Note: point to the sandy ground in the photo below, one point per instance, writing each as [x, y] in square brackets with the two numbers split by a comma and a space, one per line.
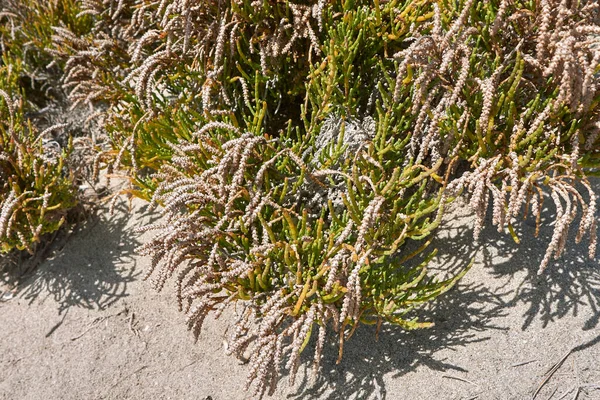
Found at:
[85, 325]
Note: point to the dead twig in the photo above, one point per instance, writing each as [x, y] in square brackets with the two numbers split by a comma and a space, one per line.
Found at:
[96, 321]
[188, 365]
[552, 394]
[577, 393]
[522, 363]
[125, 378]
[132, 327]
[551, 372]
[578, 389]
[459, 379]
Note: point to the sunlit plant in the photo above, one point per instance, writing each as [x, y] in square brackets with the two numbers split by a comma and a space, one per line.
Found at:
[297, 151]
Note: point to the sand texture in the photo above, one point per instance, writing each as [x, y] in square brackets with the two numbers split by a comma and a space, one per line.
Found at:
[84, 325]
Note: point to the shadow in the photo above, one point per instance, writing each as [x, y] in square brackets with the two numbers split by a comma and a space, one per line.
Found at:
[462, 316]
[89, 268]
[504, 277]
[569, 284]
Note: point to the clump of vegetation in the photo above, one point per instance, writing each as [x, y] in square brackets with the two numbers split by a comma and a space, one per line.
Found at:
[35, 189]
[36, 186]
[298, 150]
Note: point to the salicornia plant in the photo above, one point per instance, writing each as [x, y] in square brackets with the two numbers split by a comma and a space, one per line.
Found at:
[298, 150]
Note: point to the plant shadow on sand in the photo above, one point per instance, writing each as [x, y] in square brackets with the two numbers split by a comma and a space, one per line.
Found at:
[569, 283]
[91, 268]
[505, 275]
[461, 316]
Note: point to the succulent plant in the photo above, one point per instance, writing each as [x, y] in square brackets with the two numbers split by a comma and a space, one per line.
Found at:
[303, 154]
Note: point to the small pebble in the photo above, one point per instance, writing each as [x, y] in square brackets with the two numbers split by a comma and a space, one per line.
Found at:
[8, 296]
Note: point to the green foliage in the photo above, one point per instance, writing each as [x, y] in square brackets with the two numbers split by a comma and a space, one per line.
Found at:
[297, 151]
[36, 189]
[37, 186]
